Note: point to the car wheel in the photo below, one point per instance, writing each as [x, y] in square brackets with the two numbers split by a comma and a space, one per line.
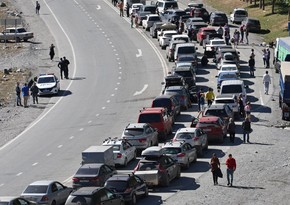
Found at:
[200, 152]
[53, 202]
[133, 200]
[125, 162]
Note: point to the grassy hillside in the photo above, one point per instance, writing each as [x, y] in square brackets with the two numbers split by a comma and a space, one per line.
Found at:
[273, 25]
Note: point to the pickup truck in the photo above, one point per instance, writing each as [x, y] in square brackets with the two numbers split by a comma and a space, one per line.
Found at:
[18, 34]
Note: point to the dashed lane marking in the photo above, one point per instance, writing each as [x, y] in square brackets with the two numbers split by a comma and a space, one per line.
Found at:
[59, 146]
[20, 173]
[49, 154]
[34, 164]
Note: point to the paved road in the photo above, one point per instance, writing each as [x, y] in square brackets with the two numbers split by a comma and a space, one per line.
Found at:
[112, 65]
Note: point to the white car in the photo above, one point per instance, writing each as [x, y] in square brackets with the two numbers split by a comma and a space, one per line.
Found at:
[229, 68]
[238, 15]
[48, 84]
[183, 37]
[150, 20]
[215, 43]
[124, 152]
[135, 8]
[226, 75]
[229, 99]
[194, 136]
[166, 38]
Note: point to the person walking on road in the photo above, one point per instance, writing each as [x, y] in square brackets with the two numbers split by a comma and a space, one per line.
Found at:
[25, 94]
[61, 67]
[37, 7]
[34, 92]
[220, 31]
[268, 58]
[231, 168]
[264, 56]
[18, 94]
[227, 37]
[65, 67]
[241, 105]
[266, 82]
[128, 9]
[209, 96]
[248, 110]
[247, 35]
[252, 65]
[215, 165]
[236, 38]
[51, 51]
[242, 33]
[246, 125]
[121, 7]
[232, 130]
[132, 20]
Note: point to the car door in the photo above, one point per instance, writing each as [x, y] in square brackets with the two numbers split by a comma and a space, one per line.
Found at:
[104, 174]
[170, 167]
[140, 186]
[63, 192]
[191, 151]
[130, 151]
[111, 198]
[149, 135]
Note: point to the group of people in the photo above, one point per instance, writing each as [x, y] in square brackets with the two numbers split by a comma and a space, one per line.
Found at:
[207, 97]
[63, 66]
[26, 91]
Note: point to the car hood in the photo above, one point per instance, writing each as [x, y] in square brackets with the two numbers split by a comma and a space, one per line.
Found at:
[45, 85]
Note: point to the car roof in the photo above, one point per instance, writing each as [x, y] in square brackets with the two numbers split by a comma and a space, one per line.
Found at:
[92, 165]
[229, 65]
[188, 130]
[119, 177]
[152, 151]
[235, 9]
[153, 110]
[163, 97]
[173, 144]
[136, 125]
[46, 75]
[183, 64]
[113, 141]
[175, 87]
[216, 107]
[180, 35]
[186, 45]
[42, 182]
[225, 96]
[229, 82]
[152, 15]
[208, 119]
[86, 191]
[207, 28]
[170, 31]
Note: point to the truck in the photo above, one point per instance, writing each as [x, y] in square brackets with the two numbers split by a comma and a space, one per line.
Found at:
[282, 52]
[98, 154]
[15, 34]
[284, 94]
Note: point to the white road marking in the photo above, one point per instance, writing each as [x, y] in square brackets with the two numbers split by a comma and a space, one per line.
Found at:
[19, 174]
[106, 35]
[89, 121]
[119, 78]
[81, 129]
[120, 72]
[118, 83]
[112, 95]
[120, 68]
[100, 29]
[108, 39]
[48, 154]
[103, 32]
[59, 146]
[76, 2]
[119, 63]
[114, 50]
[90, 17]
[139, 53]
[110, 42]
[112, 46]
[108, 101]
[1, 185]
[34, 164]
[261, 98]
[71, 137]
[116, 88]
[141, 91]
[98, 7]
[98, 26]
[97, 115]
[116, 54]
[67, 180]
[103, 108]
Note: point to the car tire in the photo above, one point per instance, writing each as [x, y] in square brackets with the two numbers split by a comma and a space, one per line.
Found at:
[133, 200]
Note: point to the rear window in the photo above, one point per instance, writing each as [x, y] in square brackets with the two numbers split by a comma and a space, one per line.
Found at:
[185, 136]
[172, 150]
[46, 80]
[162, 103]
[143, 166]
[207, 124]
[186, 50]
[219, 113]
[39, 189]
[149, 118]
[221, 15]
[118, 186]
[231, 89]
[241, 13]
[133, 132]
[186, 74]
[79, 200]
[154, 18]
[255, 22]
[225, 101]
[88, 171]
[171, 4]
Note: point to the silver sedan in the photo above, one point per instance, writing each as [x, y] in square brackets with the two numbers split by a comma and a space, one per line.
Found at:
[46, 192]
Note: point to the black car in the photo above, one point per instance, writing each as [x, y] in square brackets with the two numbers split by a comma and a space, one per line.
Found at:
[218, 18]
[169, 102]
[92, 175]
[253, 25]
[94, 196]
[129, 186]
[200, 12]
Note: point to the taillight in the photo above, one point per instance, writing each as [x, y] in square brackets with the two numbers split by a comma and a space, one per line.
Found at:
[161, 169]
[95, 179]
[128, 190]
[195, 139]
[180, 155]
[44, 198]
[119, 155]
[75, 179]
[142, 140]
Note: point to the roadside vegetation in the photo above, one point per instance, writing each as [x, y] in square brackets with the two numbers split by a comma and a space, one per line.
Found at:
[273, 24]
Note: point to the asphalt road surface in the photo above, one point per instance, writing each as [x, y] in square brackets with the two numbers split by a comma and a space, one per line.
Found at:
[115, 71]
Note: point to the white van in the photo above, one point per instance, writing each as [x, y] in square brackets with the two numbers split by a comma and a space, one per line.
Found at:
[164, 5]
[238, 15]
[235, 87]
[185, 49]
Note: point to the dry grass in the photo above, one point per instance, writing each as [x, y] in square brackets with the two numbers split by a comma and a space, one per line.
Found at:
[273, 25]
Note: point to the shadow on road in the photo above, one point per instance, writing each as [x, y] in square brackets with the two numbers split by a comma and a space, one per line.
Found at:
[201, 79]
[78, 78]
[243, 187]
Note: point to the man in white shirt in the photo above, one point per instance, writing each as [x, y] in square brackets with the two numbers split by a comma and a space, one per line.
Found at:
[266, 82]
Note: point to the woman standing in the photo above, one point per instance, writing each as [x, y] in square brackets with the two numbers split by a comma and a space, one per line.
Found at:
[215, 165]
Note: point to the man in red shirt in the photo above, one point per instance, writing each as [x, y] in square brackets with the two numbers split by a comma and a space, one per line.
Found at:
[231, 167]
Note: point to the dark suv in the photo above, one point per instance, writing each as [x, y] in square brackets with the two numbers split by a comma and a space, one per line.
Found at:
[169, 102]
[93, 196]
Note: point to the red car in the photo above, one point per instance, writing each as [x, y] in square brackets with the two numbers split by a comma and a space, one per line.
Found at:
[159, 118]
[203, 32]
[214, 127]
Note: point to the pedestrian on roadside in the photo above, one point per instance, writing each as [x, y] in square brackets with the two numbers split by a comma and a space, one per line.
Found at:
[61, 68]
[227, 28]
[127, 9]
[25, 94]
[231, 168]
[121, 7]
[136, 21]
[215, 165]
[248, 110]
[246, 125]
[268, 58]
[266, 82]
[241, 105]
[18, 94]
[227, 37]
[236, 38]
[242, 33]
[34, 92]
[202, 102]
[51, 51]
[253, 53]
[132, 20]
[264, 56]
[209, 96]
[220, 31]
[199, 93]
[232, 130]
[65, 67]
[252, 65]
[247, 35]
[37, 7]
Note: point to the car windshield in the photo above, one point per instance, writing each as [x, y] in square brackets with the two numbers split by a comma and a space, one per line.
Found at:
[38, 189]
[4, 203]
[241, 12]
[149, 118]
[162, 103]
[172, 150]
[186, 50]
[88, 171]
[21, 30]
[134, 131]
[154, 18]
[185, 58]
[169, 34]
[217, 42]
[185, 74]
[228, 76]
[171, 4]
[254, 22]
[232, 89]
[46, 80]
[118, 186]
[146, 166]
[185, 136]
[116, 147]
[225, 101]
[173, 92]
[219, 113]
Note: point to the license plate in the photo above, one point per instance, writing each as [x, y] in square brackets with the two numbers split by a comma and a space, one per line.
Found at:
[45, 91]
[84, 180]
